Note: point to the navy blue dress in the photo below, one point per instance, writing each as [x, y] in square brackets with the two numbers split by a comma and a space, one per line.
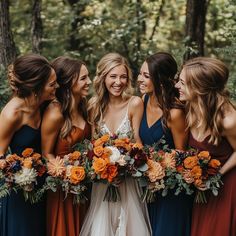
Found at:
[169, 215]
[17, 217]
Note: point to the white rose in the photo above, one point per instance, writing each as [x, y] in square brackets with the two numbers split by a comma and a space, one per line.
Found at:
[115, 154]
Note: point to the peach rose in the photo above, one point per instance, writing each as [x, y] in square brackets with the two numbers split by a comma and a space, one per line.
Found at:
[196, 172]
[99, 165]
[36, 156]
[105, 138]
[98, 151]
[106, 153]
[204, 155]
[74, 155]
[27, 162]
[190, 162]
[77, 174]
[98, 142]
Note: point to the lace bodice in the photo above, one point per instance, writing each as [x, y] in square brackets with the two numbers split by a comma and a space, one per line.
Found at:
[124, 129]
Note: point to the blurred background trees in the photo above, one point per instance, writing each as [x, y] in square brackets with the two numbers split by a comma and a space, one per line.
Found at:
[88, 29]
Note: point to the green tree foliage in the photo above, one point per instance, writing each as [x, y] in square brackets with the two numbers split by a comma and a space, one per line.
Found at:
[88, 29]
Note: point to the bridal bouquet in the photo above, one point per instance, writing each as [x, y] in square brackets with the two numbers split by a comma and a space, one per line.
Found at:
[112, 159]
[21, 173]
[202, 171]
[69, 174]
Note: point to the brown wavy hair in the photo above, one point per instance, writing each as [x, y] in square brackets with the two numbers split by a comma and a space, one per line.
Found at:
[162, 70]
[208, 98]
[67, 70]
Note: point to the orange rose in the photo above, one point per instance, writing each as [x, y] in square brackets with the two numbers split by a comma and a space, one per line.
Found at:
[109, 173]
[27, 152]
[106, 153]
[36, 156]
[138, 145]
[27, 162]
[98, 151]
[198, 182]
[190, 162]
[124, 143]
[105, 138]
[98, 142]
[99, 165]
[77, 174]
[214, 163]
[196, 172]
[75, 155]
[204, 155]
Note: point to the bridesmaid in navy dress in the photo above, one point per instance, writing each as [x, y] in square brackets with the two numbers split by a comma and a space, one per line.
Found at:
[33, 81]
[164, 117]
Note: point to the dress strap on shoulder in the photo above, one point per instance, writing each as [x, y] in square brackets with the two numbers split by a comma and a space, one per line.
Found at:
[127, 111]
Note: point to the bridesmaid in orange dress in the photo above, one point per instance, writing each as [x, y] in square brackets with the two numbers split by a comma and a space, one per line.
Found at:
[211, 117]
[64, 124]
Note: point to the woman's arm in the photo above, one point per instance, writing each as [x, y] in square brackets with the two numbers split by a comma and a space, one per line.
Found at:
[10, 122]
[136, 114]
[177, 125]
[51, 126]
[229, 126]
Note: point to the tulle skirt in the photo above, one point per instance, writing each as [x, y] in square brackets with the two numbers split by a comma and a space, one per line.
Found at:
[127, 217]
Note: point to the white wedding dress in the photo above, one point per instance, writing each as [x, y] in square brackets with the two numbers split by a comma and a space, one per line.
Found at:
[127, 217]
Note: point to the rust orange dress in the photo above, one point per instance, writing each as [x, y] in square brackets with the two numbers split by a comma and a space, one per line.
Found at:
[63, 217]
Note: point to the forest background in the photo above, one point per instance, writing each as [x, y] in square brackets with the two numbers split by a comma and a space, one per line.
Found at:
[88, 29]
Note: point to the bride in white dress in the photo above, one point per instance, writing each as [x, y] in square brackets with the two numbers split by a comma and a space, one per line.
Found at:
[113, 110]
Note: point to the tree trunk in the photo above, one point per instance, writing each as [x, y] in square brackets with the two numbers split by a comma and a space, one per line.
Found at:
[36, 27]
[7, 45]
[75, 43]
[195, 27]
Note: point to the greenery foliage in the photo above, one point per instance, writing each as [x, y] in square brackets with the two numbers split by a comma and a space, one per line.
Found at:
[88, 29]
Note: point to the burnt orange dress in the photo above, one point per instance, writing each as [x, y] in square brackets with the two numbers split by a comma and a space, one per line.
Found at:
[63, 217]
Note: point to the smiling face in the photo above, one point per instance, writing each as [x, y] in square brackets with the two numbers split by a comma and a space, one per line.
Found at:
[49, 90]
[144, 80]
[182, 87]
[116, 80]
[82, 83]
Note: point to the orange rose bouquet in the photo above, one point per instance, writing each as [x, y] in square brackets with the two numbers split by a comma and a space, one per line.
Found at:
[69, 174]
[112, 159]
[179, 171]
[22, 173]
[202, 171]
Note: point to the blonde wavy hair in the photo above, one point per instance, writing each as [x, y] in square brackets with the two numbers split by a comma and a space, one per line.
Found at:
[98, 103]
[208, 98]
